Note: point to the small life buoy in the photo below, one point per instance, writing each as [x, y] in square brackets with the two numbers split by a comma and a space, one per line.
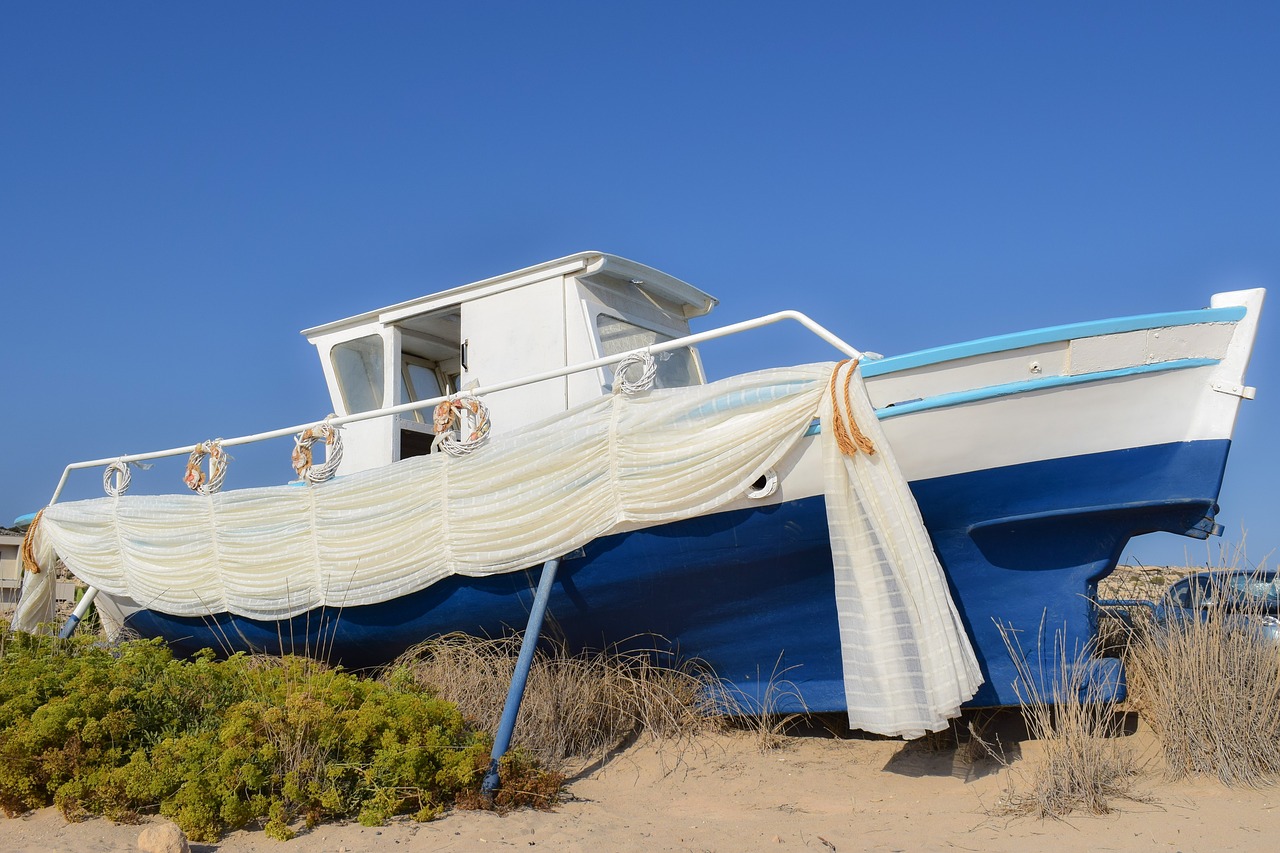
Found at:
[303, 460]
[195, 478]
[449, 424]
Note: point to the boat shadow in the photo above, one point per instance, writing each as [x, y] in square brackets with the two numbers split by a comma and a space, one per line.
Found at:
[980, 743]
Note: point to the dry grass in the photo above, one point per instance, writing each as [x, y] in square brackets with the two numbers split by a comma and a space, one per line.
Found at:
[1117, 627]
[759, 716]
[1210, 688]
[575, 706]
[1085, 765]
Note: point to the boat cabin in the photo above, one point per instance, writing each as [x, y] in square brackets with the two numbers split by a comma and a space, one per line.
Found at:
[542, 318]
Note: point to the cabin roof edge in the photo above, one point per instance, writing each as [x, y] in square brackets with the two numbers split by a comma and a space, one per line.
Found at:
[696, 302]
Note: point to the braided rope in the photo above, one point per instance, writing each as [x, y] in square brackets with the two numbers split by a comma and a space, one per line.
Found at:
[195, 478]
[648, 373]
[303, 461]
[448, 422]
[849, 438]
[28, 550]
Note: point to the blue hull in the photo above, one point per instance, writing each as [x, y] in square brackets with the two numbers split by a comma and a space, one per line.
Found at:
[751, 591]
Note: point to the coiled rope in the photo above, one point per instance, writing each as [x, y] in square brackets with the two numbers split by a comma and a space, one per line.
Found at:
[448, 423]
[195, 478]
[648, 373]
[29, 546]
[848, 437]
[303, 461]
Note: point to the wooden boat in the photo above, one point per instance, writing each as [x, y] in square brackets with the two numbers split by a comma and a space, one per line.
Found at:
[1032, 458]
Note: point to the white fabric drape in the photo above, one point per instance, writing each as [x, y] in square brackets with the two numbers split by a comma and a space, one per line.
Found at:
[907, 659]
[537, 493]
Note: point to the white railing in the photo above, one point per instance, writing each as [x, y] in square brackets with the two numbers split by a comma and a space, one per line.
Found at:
[687, 340]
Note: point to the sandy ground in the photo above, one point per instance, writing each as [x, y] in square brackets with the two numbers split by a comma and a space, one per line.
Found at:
[722, 792]
[816, 792]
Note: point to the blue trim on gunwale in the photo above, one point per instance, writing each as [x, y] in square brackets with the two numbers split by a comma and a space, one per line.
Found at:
[956, 398]
[1070, 331]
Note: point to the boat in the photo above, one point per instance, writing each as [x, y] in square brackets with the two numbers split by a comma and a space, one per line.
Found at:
[1012, 472]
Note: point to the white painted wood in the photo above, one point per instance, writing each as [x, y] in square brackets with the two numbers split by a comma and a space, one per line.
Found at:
[1149, 346]
[324, 347]
[1054, 423]
[369, 444]
[963, 374]
[515, 333]
[1221, 418]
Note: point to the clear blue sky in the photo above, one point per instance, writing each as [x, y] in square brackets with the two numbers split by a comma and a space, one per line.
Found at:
[185, 186]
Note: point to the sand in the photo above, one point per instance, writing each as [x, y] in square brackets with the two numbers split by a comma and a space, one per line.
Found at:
[721, 792]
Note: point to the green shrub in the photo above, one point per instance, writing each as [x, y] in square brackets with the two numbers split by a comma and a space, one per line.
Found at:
[216, 745]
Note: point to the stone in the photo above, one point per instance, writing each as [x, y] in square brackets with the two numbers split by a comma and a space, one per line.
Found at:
[163, 838]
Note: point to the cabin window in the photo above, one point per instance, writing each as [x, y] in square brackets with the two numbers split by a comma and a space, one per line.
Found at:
[358, 364]
[676, 368]
[419, 381]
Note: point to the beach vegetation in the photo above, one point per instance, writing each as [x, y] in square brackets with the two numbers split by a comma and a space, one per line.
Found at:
[128, 730]
[1070, 708]
[216, 743]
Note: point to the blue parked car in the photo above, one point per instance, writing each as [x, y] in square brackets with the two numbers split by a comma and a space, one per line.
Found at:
[1248, 594]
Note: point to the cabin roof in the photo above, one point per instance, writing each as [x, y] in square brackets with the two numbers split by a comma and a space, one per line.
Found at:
[593, 266]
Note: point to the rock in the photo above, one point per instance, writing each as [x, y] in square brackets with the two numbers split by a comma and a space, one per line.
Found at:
[163, 838]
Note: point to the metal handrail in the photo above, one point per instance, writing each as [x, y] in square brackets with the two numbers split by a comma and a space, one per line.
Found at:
[688, 340]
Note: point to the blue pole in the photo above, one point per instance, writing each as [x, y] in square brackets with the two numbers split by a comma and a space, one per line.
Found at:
[515, 693]
[69, 627]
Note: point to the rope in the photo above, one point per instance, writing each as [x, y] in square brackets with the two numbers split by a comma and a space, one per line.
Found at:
[448, 420]
[303, 461]
[648, 373]
[195, 478]
[29, 561]
[849, 438]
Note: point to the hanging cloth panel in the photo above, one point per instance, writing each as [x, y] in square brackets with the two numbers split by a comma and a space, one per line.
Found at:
[908, 663]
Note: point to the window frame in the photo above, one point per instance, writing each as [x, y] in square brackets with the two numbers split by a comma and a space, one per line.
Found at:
[443, 382]
[607, 373]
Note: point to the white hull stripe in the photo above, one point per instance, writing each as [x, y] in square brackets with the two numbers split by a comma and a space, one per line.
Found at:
[958, 398]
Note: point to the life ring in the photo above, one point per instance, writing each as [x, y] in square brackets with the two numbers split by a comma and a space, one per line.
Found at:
[448, 421]
[115, 479]
[303, 460]
[195, 478]
[648, 373]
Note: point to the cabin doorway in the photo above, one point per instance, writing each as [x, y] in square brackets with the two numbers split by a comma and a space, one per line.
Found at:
[430, 366]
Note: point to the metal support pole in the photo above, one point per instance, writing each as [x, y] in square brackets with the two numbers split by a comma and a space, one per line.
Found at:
[69, 627]
[515, 693]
